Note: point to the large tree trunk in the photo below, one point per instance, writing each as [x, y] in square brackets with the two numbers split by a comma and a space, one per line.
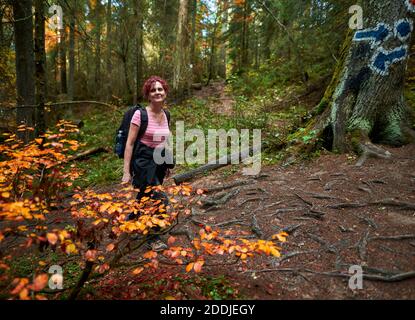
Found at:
[25, 66]
[40, 62]
[364, 102]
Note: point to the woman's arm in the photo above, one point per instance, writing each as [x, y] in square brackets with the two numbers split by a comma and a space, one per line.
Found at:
[128, 153]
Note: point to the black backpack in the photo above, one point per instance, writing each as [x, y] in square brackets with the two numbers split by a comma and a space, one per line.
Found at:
[122, 132]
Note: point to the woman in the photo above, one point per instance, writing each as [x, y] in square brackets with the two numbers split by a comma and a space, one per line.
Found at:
[145, 171]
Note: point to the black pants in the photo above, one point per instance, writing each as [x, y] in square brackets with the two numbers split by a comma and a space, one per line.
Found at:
[146, 172]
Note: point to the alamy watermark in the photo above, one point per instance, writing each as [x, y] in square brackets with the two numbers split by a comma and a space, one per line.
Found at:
[356, 20]
[56, 20]
[56, 278]
[356, 278]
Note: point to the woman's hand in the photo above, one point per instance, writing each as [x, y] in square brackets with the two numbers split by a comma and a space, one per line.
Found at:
[126, 178]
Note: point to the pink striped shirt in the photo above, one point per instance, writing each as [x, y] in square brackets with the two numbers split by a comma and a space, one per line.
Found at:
[155, 134]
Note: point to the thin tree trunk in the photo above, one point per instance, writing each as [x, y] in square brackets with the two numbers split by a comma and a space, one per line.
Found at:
[193, 36]
[62, 61]
[139, 49]
[71, 82]
[97, 77]
[25, 66]
[181, 58]
[108, 90]
[212, 51]
[40, 63]
[244, 39]
[223, 48]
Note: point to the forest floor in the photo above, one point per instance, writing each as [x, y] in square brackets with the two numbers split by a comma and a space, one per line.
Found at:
[337, 215]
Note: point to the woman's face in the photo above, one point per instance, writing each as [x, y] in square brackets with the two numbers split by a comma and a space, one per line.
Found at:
[157, 93]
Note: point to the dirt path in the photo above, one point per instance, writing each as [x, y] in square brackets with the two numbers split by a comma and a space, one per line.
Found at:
[219, 101]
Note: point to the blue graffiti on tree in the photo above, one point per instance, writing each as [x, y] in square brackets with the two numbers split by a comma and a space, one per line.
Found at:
[403, 29]
[383, 59]
[375, 36]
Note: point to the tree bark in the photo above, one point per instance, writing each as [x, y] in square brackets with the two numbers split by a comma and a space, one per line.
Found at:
[181, 57]
[109, 49]
[212, 60]
[40, 65]
[365, 102]
[62, 61]
[223, 47]
[97, 78]
[139, 49]
[25, 66]
[71, 80]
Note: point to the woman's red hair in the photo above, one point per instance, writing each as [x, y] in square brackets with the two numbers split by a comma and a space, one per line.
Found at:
[149, 82]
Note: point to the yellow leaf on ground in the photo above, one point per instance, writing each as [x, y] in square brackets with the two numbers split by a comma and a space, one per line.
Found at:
[5, 194]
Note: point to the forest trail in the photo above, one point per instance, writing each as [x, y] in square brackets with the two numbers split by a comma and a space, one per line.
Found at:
[215, 93]
[336, 214]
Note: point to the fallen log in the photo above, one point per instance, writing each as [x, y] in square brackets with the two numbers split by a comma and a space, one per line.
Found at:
[235, 157]
[87, 153]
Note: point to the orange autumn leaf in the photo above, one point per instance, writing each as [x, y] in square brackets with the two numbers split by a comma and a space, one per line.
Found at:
[24, 294]
[189, 267]
[137, 271]
[171, 240]
[21, 283]
[91, 255]
[198, 266]
[110, 247]
[52, 238]
[280, 236]
[150, 254]
[40, 282]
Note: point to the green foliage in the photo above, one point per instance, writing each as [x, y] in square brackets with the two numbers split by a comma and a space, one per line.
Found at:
[99, 131]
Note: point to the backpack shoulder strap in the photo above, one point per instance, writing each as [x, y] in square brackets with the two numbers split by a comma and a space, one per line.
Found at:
[143, 122]
[167, 112]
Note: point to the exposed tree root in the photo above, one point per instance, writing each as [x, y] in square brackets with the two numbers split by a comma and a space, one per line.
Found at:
[226, 186]
[385, 202]
[255, 227]
[219, 200]
[370, 150]
[392, 277]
